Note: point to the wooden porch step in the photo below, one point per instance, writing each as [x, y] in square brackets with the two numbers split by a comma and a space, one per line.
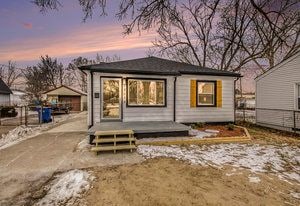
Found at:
[113, 132]
[112, 148]
[107, 140]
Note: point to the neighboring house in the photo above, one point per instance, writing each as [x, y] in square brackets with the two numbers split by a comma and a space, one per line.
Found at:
[18, 97]
[69, 96]
[155, 89]
[278, 96]
[5, 93]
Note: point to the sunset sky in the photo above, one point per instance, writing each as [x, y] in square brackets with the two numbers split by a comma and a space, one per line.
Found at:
[26, 34]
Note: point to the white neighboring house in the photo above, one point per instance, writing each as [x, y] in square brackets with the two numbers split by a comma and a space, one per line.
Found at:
[278, 96]
[155, 89]
[5, 93]
[17, 97]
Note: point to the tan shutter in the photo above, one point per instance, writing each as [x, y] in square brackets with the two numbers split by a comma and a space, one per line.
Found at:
[219, 93]
[193, 94]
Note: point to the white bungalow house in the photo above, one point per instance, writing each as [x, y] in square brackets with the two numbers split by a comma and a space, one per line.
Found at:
[278, 96]
[135, 93]
[5, 93]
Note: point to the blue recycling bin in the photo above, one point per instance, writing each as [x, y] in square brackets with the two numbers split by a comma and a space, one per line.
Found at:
[46, 114]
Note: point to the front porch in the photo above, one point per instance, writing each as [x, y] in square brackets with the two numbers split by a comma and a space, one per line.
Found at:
[143, 129]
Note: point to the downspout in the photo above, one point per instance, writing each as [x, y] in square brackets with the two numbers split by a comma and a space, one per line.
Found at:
[234, 98]
[92, 100]
[174, 103]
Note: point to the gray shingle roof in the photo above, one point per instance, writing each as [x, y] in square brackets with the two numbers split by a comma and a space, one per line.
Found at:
[4, 89]
[155, 65]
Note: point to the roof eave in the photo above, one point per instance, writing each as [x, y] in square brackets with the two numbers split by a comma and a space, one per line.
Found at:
[122, 71]
[5, 92]
[213, 74]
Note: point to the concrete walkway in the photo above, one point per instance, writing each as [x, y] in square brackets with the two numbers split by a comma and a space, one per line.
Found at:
[78, 124]
[33, 161]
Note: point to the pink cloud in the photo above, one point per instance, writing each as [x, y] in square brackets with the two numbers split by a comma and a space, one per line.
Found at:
[27, 25]
[78, 41]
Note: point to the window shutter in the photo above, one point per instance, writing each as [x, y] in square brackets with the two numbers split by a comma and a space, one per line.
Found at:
[193, 93]
[219, 93]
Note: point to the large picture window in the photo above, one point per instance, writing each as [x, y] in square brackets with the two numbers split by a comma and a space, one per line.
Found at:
[146, 92]
[206, 93]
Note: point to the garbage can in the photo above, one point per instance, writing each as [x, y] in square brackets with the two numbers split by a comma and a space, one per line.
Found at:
[46, 114]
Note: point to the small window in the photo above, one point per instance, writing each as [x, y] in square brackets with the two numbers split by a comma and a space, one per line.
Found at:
[144, 92]
[206, 93]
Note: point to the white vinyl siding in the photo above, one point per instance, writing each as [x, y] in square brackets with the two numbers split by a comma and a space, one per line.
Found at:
[4, 99]
[204, 114]
[277, 89]
[184, 113]
[164, 113]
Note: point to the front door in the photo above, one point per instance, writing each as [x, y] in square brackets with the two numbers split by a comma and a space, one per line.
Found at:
[111, 98]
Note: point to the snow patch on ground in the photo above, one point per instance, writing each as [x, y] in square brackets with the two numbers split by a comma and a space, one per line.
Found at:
[83, 145]
[18, 134]
[254, 179]
[66, 188]
[23, 132]
[201, 134]
[256, 158]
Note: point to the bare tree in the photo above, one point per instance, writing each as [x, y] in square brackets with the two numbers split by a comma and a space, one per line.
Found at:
[223, 34]
[47, 74]
[100, 58]
[79, 76]
[277, 25]
[36, 82]
[56, 74]
[10, 73]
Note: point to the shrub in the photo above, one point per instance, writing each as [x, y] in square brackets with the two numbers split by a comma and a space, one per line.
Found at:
[230, 127]
[200, 124]
[193, 126]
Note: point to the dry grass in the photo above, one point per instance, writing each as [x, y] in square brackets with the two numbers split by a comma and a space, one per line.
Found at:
[263, 135]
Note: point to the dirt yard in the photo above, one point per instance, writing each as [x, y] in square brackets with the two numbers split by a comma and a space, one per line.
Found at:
[165, 181]
[265, 171]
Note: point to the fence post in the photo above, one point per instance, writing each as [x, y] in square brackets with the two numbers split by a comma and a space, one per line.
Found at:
[26, 113]
[21, 117]
[41, 115]
[294, 117]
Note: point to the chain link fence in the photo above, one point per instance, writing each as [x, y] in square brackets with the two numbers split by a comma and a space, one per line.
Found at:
[278, 118]
[20, 115]
[245, 115]
[31, 115]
